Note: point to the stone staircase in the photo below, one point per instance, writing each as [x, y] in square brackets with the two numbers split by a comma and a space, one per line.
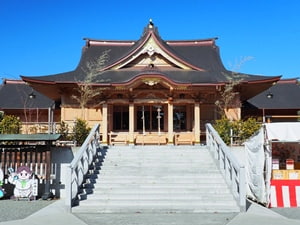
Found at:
[150, 179]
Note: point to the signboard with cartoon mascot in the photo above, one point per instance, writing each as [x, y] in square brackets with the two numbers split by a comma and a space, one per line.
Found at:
[25, 183]
[2, 193]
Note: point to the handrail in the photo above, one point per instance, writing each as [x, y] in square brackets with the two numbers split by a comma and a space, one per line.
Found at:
[79, 166]
[233, 172]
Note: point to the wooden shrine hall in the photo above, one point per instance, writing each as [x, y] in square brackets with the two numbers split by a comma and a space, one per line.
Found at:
[148, 91]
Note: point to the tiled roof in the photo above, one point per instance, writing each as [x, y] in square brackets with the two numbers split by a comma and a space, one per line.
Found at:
[204, 55]
[18, 95]
[280, 96]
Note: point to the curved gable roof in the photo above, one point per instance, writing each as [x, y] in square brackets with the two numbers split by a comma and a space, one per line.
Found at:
[200, 57]
[130, 50]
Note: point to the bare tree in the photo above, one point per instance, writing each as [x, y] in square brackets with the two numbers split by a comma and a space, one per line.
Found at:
[27, 97]
[85, 92]
[229, 94]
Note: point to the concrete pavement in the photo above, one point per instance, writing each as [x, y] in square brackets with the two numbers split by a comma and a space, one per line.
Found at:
[56, 214]
[260, 215]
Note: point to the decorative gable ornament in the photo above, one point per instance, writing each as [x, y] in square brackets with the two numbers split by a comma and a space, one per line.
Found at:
[150, 50]
[151, 81]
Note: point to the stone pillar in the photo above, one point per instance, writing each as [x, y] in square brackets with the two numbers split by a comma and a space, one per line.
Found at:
[170, 123]
[104, 124]
[131, 124]
[197, 123]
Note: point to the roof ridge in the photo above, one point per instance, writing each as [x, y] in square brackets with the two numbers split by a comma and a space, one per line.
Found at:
[12, 81]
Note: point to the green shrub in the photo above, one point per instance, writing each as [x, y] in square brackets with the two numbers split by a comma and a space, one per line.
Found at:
[80, 131]
[248, 128]
[222, 126]
[241, 130]
[10, 125]
[63, 130]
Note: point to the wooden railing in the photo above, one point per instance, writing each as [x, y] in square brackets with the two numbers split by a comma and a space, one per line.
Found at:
[39, 127]
[232, 171]
[290, 118]
[79, 166]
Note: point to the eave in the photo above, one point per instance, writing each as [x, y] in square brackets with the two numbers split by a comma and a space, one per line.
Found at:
[249, 89]
[197, 42]
[155, 77]
[94, 42]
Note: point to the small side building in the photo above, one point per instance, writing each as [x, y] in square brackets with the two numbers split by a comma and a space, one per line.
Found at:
[279, 103]
[37, 112]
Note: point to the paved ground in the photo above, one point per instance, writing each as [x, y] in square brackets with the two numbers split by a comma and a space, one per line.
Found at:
[15, 210]
[292, 213]
[157, 219]
[56, 214]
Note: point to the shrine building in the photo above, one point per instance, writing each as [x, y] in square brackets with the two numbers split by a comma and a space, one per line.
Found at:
[148, 91]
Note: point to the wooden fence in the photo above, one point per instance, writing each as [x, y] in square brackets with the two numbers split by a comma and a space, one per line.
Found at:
[36, 157]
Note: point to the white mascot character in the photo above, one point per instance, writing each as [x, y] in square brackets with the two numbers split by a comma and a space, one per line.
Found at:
[23, 182]
[1, 183]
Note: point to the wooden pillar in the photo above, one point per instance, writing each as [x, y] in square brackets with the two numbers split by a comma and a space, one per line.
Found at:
[189, 117]
[47, 194]
[62, 113]
[165, 109]
[170, 123]
[110, 110]
[104, 124]
[197, 123]
[131, 123]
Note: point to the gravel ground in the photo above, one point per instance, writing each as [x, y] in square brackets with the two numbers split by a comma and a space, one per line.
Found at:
[15, 210]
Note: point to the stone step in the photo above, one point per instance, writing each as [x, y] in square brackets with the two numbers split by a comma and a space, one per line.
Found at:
[204, 178]
[157, 162]
[141, 180]
[156, 168]
[155, 207]
[158, 202]
[204, 189]
[161, 158]
[179, 166]
[158, 171]
[150, 164]
[141, 164]
[190, 176]
[142, 153]
[170, 160]
[203, 175]
[160, 186]
[154, 152]
[161, 196]
[156, 179]
[159, 147]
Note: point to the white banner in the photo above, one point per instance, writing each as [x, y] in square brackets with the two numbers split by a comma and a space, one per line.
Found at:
[255, 168]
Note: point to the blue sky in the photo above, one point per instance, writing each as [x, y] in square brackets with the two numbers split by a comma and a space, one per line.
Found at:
[43, 37]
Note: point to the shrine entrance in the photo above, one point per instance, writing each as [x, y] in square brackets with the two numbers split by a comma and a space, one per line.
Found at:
[146, 121]
[150, 118]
